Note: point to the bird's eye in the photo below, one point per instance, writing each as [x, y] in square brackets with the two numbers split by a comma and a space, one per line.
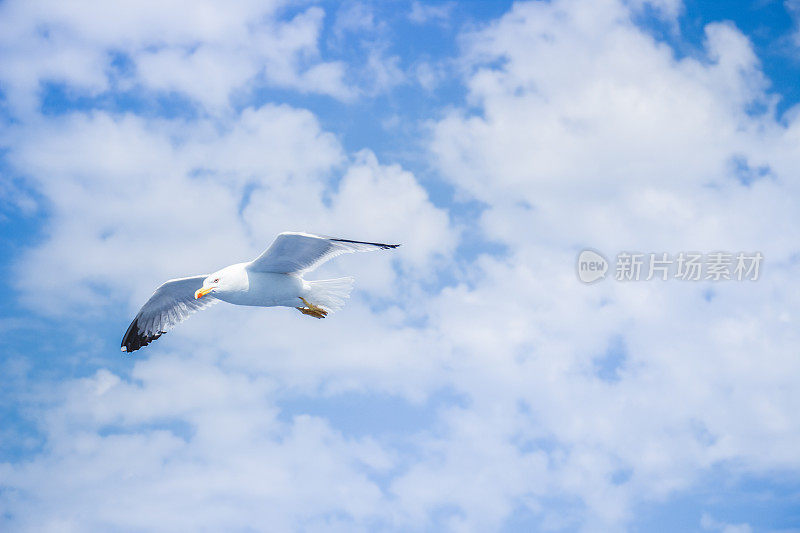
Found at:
[216, 280]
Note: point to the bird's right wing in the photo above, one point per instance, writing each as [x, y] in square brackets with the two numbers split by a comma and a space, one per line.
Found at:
[300, 252]
[171, 304]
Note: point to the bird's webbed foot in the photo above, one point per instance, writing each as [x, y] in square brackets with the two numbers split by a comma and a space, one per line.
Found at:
[311, 309]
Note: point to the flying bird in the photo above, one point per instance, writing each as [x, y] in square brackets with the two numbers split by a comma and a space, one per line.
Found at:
[275, 278]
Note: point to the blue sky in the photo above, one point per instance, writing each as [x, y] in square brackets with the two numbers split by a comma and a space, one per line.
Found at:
[472, 382]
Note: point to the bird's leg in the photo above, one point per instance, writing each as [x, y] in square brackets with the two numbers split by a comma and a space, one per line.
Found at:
[311, 309]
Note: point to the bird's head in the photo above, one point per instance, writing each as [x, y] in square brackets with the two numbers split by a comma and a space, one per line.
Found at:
[210, 284]
[230, 279]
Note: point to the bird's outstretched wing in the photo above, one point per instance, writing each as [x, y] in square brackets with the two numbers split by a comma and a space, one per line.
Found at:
[301, 252]
[171, 304]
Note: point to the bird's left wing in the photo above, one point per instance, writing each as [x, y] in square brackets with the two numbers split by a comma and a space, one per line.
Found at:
[300, 252]
[171, 304]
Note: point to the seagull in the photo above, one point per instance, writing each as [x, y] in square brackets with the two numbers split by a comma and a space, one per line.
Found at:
[275, 278]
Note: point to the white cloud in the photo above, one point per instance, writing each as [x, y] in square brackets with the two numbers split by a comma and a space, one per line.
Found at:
[709, 524]
[589, 133]
[427, 13]
[579, 130]
[428, 76]
[133, 201]
[164, 190]
[356, 18]
[205, 50]
[382, 71]
[666, 9]
[115, 462]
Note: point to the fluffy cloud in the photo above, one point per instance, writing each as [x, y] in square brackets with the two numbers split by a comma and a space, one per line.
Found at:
[204, 51]
[202, 197]
[591, 133]
[571, 403]
[133, 201]
[142, 463]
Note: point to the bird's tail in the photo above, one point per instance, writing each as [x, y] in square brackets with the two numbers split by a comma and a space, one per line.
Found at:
[331, 294]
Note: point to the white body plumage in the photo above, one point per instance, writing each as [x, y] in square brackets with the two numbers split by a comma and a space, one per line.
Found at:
[239, 286]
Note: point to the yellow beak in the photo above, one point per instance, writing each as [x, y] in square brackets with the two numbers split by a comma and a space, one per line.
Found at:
[202, 292]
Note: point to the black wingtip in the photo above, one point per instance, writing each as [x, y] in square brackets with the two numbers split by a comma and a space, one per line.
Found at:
[134, 339]
[378, 244]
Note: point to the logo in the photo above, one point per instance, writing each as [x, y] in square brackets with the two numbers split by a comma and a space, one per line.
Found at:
[591, 266]
[663, 266]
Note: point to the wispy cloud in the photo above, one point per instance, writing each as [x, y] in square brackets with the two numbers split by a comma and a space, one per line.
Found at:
[423, 13]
